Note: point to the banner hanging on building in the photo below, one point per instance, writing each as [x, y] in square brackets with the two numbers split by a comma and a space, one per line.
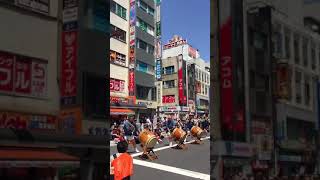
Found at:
[283, 81]
[131, 83]
[70, 120]
[69, 58]
[181, 84]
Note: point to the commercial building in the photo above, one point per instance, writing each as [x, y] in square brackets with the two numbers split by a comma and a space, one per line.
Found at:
[120, 101]
[183, 67]
[52, 56]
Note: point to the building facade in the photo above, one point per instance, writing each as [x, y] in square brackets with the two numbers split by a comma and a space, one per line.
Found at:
[51, 76]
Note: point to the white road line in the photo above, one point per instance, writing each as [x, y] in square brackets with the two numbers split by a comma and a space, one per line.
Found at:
[167, 147]
[171, 169]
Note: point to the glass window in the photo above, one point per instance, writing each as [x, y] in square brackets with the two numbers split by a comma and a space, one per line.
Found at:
[305, 52]
[117, 58]
[287, 45]
[298, 86]
[307, 90]
[118, 33]
[142, 45]
[118, 10]
[296, 50]
[143, 6]
[150, 30]
[169, 84]
[150, 11]
[169, 70]
[150, 49]
[143, 67]
[313, 58]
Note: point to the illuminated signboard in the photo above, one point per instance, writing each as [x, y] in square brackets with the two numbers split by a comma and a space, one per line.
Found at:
[174, 42]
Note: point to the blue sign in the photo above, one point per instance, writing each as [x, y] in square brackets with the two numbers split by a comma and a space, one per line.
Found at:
[158, 69]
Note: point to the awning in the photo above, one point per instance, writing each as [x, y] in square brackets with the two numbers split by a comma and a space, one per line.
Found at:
[121, 112]
[35, 157]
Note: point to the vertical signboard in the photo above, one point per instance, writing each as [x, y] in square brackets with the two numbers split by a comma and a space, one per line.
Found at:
[182, 97]
[158, 45]
[68, 72]
[132, 48]
[226, 65]
[39, 79]
[70, 121]
[318, 105]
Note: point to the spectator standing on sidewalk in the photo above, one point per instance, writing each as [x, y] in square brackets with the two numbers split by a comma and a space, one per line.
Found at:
[121, 163]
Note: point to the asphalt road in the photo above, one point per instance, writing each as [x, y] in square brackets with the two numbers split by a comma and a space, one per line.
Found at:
[173, 164]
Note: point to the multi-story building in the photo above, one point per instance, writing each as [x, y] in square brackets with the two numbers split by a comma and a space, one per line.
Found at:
[144, 70]
[174, 95]
[194, 75]
[45, 75]
[120, 101]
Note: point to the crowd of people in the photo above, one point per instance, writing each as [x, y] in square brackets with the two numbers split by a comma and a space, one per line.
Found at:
[129, 129]
[241, 176]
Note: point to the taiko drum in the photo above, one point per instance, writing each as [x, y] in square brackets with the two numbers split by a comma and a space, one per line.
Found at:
[197, 132]
[148, 139]
[179, 135]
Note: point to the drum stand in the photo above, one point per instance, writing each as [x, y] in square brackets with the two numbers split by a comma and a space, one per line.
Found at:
[182, 146]
[197, 141]
[148, 152]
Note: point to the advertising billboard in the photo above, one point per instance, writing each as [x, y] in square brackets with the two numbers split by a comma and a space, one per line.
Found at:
[283, 81]
[181, 83]
[132, 48]
[68, 71]
[231, 71]
[22, 75]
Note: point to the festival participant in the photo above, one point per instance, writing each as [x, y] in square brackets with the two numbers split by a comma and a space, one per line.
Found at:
[129, 129]
[121, 163]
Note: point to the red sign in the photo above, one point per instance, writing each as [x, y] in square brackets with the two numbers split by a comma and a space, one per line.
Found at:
[111, 84]
[28, 121]
[226, 74]
[131, 83]
[192, 52]
[13, 120]
[22, 84]
[6, 72]
[116, 85]
[174, 42]
[39, 79]
[182, 97]
[168, 99]
[69, 64]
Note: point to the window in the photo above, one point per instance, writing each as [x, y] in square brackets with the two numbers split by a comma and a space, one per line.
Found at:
[154, 94]
[305, 52]
[143, 67]
[118, 33]
[118, 10]
[117, 58]
[298, 86]
[307, 90]
[169, 84]
[313, 58]
[296, 50]
[145, 46]
[277, 41]
[143, 6]
[287, 44]
[142, 45]
[142, 92]
[169, 70]
[145, 27]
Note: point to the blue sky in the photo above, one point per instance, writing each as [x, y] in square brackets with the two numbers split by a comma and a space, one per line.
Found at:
[189, 19]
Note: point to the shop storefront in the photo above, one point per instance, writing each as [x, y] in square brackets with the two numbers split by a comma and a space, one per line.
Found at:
[175, 112]
[35, 163]
[235, 157]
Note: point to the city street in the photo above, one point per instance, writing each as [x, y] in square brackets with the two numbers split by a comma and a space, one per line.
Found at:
[192, 163]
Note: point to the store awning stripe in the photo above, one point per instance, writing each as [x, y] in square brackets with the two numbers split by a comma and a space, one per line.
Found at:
[121, 112]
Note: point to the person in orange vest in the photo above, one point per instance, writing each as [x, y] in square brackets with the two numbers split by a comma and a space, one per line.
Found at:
[121, 163]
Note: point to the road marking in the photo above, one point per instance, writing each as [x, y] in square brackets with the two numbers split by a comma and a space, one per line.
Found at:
[171, 169]
[167, 147]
